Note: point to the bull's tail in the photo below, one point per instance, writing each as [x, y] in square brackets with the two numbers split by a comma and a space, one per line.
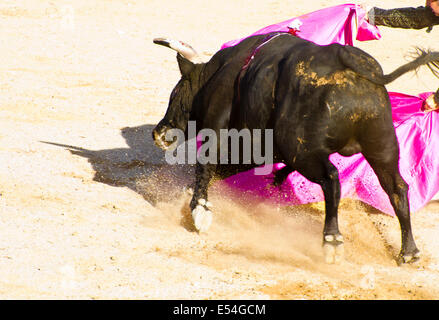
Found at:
[428, 58]
[367, 67]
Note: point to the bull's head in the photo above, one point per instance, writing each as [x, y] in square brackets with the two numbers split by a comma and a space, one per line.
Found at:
[180, 102]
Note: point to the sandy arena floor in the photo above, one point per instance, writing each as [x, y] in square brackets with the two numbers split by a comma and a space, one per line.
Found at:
[105, 218]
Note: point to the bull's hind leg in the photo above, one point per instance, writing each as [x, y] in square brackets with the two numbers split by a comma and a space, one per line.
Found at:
[380, 148]
[325, 174]
[396, 188]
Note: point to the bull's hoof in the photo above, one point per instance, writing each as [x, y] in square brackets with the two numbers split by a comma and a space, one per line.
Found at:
[408, 258]
[202, 216]
[333, 248]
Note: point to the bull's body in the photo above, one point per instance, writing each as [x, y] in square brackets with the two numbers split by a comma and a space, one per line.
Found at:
[317, 99]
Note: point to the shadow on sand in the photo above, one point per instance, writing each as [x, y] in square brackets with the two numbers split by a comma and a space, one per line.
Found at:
[140, 167]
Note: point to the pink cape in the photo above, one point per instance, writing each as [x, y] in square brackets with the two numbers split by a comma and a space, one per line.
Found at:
[336, 24]
[417, 132]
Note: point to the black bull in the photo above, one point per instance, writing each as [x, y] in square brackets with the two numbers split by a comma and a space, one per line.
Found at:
[317, 99]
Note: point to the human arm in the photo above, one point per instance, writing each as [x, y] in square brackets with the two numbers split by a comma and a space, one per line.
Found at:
[406, 18]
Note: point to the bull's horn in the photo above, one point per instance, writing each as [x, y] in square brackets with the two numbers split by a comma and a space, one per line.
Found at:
[182, 48]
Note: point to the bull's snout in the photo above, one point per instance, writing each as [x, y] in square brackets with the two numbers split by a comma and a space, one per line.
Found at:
[159, 136]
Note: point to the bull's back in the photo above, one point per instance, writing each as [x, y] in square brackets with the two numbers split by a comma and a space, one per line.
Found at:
[312, 99]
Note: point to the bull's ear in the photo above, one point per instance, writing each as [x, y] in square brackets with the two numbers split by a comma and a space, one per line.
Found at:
[185, 65]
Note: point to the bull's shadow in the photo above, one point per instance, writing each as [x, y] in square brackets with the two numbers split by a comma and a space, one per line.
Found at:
[140, 167]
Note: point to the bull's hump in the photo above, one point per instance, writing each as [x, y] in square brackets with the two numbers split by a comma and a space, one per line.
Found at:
[315, 78]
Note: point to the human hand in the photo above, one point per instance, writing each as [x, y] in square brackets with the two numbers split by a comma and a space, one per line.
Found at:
[430, 104]
[434, 5]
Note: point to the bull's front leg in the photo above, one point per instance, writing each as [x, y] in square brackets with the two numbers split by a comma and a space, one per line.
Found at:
[200, 206]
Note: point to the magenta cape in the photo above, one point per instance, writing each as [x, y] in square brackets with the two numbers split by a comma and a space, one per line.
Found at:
[417, 132]
[337, 24]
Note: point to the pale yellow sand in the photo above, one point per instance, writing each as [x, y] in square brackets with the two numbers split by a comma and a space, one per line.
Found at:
[96, 224]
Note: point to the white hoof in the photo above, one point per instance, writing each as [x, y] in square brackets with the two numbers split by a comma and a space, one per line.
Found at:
[202, 218]
[205, 203]
[333, 249]
[329, 238]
